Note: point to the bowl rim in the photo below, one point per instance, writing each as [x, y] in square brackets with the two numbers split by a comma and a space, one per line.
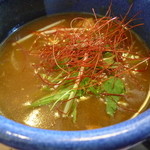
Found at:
[116, 136]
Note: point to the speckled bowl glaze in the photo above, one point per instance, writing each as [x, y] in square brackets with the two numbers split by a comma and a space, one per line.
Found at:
[126, 134]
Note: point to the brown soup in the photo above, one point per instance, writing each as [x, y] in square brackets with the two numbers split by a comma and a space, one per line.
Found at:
[98, 68]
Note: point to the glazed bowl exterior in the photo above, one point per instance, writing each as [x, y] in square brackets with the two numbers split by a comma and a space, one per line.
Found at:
[123, 135]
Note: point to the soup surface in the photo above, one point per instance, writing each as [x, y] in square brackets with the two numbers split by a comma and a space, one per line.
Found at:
[34, 66]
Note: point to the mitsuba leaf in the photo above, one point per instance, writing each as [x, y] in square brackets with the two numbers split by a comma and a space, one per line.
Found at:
[80, 93]
[111, 106]
[108, 58]
[43, 101]
[113, 86]
[56, 96]
[93, 90]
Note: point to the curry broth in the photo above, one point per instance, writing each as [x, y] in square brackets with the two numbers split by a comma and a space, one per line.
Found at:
[20, 86]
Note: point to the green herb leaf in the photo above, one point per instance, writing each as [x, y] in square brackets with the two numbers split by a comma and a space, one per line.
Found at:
[113, 86]
[111, 105]
[85, 81]
[93, 90]
[108, 58]
[107, 54]
[80, 93]
[43, 101]
[53, 97]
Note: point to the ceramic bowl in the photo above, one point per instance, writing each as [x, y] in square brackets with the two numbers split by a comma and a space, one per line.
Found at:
[123, 135]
